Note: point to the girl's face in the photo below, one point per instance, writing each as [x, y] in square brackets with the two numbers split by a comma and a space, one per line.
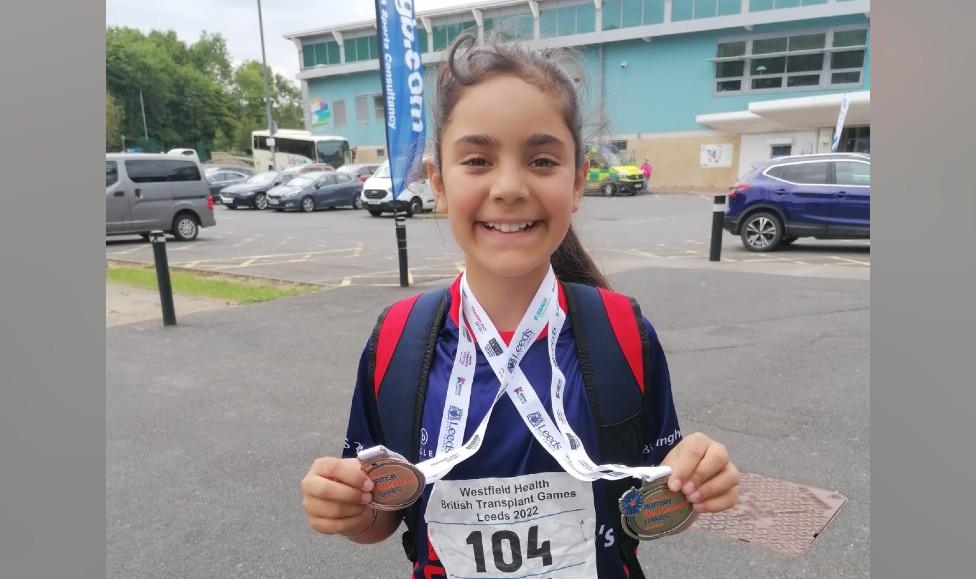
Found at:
[508, 179]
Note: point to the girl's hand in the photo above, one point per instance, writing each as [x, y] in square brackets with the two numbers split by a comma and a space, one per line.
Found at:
[335, 496]
[701, 469]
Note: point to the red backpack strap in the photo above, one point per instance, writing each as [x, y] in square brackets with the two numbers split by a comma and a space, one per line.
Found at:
[387, 334]
[624, 315]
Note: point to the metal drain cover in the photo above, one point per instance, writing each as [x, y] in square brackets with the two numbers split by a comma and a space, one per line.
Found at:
[776, 514]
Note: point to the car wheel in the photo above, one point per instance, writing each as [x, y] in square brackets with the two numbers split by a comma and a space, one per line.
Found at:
[261, 201]
[308, 204]
[416, 206]
[144, 236]
[609, 189]
[185, 227]
[357, 203]
[231, 206]
[374, 212]
[762, 232]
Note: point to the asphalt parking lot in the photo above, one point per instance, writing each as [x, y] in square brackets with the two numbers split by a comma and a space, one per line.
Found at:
[345, 247]
[212, 423]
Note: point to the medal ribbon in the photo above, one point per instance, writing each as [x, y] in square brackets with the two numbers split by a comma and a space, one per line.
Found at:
[559, 440]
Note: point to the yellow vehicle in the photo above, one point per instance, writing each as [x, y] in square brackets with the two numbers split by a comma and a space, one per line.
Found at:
[610, 173]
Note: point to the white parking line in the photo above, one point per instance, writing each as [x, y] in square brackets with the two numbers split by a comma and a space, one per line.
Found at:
[242, 242]
[851, 261]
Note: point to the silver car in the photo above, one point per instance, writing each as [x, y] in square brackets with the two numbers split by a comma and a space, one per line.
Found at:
[146, 192]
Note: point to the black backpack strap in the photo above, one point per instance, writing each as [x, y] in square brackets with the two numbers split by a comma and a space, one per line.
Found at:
[403, 345]
[613, 352]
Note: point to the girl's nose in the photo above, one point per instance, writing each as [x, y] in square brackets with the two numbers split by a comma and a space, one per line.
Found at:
[509, 186]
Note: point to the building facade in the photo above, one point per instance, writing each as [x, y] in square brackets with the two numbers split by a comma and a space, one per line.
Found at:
[701, 88]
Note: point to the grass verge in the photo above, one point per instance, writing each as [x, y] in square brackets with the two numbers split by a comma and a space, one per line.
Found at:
[232, 289]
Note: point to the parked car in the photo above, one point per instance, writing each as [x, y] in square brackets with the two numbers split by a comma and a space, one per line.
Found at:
[311, 168]
[362, 172]
[184, 153]
[253, 191]
[148, 192]
[377, 193]
[825, 196]
[220, 177]
[313, 191]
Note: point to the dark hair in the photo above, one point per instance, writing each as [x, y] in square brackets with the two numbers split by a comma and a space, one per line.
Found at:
[470, 62]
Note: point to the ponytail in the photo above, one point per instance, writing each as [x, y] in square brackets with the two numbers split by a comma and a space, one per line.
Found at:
[573, 264]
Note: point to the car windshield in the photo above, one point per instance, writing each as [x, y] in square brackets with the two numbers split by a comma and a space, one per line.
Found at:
[263, 178]
[304, 180]
[384, 171]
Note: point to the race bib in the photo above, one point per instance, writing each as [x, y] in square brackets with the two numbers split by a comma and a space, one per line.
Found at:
[539, 525]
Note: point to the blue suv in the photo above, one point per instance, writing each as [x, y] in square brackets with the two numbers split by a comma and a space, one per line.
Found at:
[822, 196]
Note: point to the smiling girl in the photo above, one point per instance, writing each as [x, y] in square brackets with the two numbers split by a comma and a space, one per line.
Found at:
[521, 496]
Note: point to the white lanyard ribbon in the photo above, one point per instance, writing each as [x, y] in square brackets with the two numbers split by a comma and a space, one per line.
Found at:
[559, 440]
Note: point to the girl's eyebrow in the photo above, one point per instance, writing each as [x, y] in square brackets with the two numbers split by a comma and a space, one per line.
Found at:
[477, 140]
[536, 140]
[542, 140]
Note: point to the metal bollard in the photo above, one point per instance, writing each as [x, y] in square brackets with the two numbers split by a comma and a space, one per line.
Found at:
[399, 216]
[718, 214]
[158, 240]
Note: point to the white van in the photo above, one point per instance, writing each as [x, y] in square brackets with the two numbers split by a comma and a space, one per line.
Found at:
[190, 153]
[148, 192]
[377, 195]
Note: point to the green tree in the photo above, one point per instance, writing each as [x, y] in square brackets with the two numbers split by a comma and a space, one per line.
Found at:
[286, 103]
[193, 95]
[114, 116]
[185, 104]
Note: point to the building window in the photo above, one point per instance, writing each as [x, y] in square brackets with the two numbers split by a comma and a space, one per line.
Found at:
[694, 9]
[820, 59]
[445, 34]
[760, 5]
[780, 151]
[422, 38]
[627, 13]
[339, 113]
[320, 53]
[511, 26]
[566, 19]
[362, 109]
[378, 109]
[362, 48]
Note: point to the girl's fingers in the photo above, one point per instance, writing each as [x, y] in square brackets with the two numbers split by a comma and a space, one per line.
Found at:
[715, 460]
[320, 508]
[345, 526]
[719, 503]
[684, 458]
[343, 470]
[718, 485]
[320, 487]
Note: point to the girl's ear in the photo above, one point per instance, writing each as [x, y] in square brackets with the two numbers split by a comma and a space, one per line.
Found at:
[580, 183]
[437, 186]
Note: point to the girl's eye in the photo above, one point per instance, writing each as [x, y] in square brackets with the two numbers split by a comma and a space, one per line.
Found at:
[544, 162]
[475, 162]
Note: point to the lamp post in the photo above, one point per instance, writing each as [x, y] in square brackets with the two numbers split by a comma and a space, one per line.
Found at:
[267, 97]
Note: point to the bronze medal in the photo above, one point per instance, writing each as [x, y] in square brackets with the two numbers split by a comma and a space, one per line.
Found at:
[396, 483]
[654, 511]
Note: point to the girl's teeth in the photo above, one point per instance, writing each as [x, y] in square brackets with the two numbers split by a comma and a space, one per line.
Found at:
[508, 228]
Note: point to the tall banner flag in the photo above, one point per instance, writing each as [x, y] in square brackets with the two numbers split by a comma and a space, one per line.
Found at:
[844, 104]
[403, 88]
[402, 74]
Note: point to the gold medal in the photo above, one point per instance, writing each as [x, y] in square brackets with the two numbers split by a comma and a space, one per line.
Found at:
[654, 511]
